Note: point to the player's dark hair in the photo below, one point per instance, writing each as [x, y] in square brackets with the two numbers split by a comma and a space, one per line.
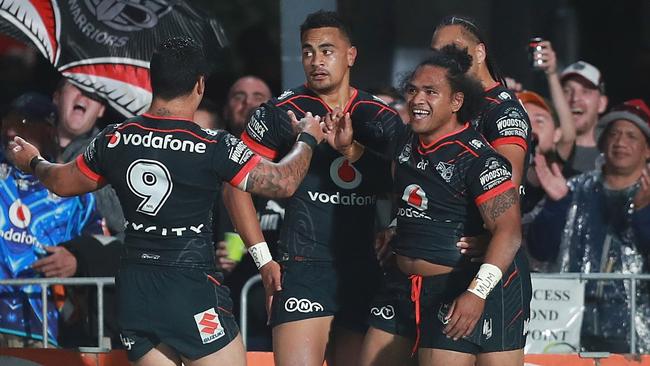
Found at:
[472, 31]
[325, 19]
[176, 66]
[457, 62]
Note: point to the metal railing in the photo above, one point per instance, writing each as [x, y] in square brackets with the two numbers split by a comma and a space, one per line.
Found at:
[99, 282]
[633, 278]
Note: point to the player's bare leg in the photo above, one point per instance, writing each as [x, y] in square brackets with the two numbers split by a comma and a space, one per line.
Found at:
[442, 357]
[344, 347]
[505, 358]
[381, 348]
[233, 354]
[162, 355]
[302, 342]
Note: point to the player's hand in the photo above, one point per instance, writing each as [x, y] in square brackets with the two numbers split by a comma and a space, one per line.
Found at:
[382, 245]
[474, 246]
[271, 278]
[224, 263]
[463, 315]
[642, 197]
[551, 179]
[339, 130]
[309, 124]
[60, 263]
[545, 58]
[20, 153]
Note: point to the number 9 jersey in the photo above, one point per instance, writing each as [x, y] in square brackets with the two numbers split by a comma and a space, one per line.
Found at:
[167, 174]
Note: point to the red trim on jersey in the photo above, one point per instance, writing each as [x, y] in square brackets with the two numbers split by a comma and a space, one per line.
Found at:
[252, 163]
[348, 105]
[298, 108]
[492, 87]
[423, 152]
[510, 141]
[494, 192]
[214, 280]
[304, 96]
[493, 100]
[426, 146]
[166, 131]
[258, 148]
[511, 277]
[85, 170]
[383, 106]
[166, 118]
[519, 313]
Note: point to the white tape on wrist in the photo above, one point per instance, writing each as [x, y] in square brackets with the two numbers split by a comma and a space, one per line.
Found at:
[260, 253]
[486, 279]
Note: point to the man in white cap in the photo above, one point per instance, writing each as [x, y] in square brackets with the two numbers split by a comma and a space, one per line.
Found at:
[584, 89]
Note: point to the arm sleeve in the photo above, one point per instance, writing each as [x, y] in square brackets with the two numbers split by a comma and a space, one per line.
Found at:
[507, 124]
[269, 131]
[545, 232]
[232, 160]
[489, 176]
[92, 162]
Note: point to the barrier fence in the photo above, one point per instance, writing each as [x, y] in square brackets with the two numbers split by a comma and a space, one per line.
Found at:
[633, 278]
[100, 282]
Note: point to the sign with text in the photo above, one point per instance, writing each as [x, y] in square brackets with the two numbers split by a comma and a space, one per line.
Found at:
[555, 316]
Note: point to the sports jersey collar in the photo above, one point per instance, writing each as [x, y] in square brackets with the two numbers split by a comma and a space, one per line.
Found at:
[353, 96]
[487, 90]
[166, 118]
[423, 146]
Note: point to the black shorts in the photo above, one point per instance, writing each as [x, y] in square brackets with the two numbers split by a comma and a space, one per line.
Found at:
[392, 309]
[503, 326]
[312, 289]
[186, 309]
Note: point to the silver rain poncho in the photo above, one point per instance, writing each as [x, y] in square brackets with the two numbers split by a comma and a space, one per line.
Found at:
[598, 238]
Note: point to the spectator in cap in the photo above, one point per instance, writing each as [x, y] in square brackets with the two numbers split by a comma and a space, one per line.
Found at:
[584, 89]
[599, 221]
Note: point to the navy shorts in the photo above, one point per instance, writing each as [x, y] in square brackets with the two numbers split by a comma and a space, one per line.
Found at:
[502, 327]
[186, 309]
[312, 289]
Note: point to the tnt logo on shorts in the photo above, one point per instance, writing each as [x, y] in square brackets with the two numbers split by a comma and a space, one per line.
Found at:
[209, 326]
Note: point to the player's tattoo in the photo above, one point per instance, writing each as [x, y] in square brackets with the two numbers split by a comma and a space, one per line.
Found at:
[281, 179]
[162, 111]
[492, 209]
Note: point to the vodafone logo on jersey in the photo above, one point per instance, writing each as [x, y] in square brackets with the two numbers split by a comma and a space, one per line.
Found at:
[114, 139]
[19, 215]
[344, 174]
[415, 197]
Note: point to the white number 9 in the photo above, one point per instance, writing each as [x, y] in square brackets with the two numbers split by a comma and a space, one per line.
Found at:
[149, 179]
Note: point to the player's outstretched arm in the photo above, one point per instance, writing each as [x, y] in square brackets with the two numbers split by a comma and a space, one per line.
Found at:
[63, 179]
[281, 179]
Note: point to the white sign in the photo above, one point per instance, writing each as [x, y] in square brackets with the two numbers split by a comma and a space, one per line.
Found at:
[555, 316]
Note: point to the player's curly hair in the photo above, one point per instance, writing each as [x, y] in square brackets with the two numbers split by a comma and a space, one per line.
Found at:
[456, 61]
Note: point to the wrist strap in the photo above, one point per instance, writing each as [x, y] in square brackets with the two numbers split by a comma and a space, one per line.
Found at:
[260, 253]
[34, 162]
[486, 279]
[307, 139]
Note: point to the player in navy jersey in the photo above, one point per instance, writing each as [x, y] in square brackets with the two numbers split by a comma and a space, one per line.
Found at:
[330, 273]
[449, 183]
[166, 171]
